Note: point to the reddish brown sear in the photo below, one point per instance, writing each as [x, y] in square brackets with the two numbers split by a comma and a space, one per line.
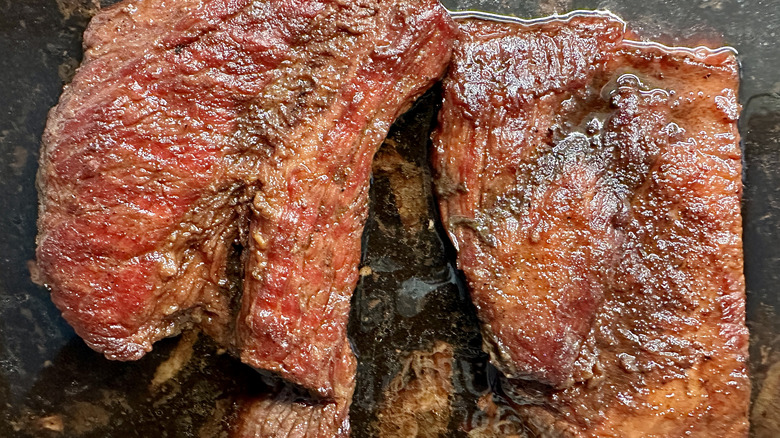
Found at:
[209, 166]
[592, 187]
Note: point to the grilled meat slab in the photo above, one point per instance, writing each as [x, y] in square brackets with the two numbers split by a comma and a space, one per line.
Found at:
[591, 185]
[209, 166]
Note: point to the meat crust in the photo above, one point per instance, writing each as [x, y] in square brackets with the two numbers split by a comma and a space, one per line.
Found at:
[209, 166]
[592, 185]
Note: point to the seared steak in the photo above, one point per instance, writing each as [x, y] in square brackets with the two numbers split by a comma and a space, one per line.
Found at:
[592, 187]
[209, 165]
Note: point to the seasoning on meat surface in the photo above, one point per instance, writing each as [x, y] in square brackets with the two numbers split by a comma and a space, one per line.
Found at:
[209, 166]
[591, 185]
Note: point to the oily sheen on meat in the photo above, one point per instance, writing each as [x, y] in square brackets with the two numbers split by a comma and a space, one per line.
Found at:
[591, 185]
[209, 166]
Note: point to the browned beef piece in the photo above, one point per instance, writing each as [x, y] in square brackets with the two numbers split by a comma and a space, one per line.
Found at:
[592, 187]
[196, 127]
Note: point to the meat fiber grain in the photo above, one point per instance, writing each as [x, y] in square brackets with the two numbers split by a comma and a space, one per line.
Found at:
[209, 166]
[592, 185]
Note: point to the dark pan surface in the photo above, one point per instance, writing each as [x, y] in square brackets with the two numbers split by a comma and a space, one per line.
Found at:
[51, 384]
